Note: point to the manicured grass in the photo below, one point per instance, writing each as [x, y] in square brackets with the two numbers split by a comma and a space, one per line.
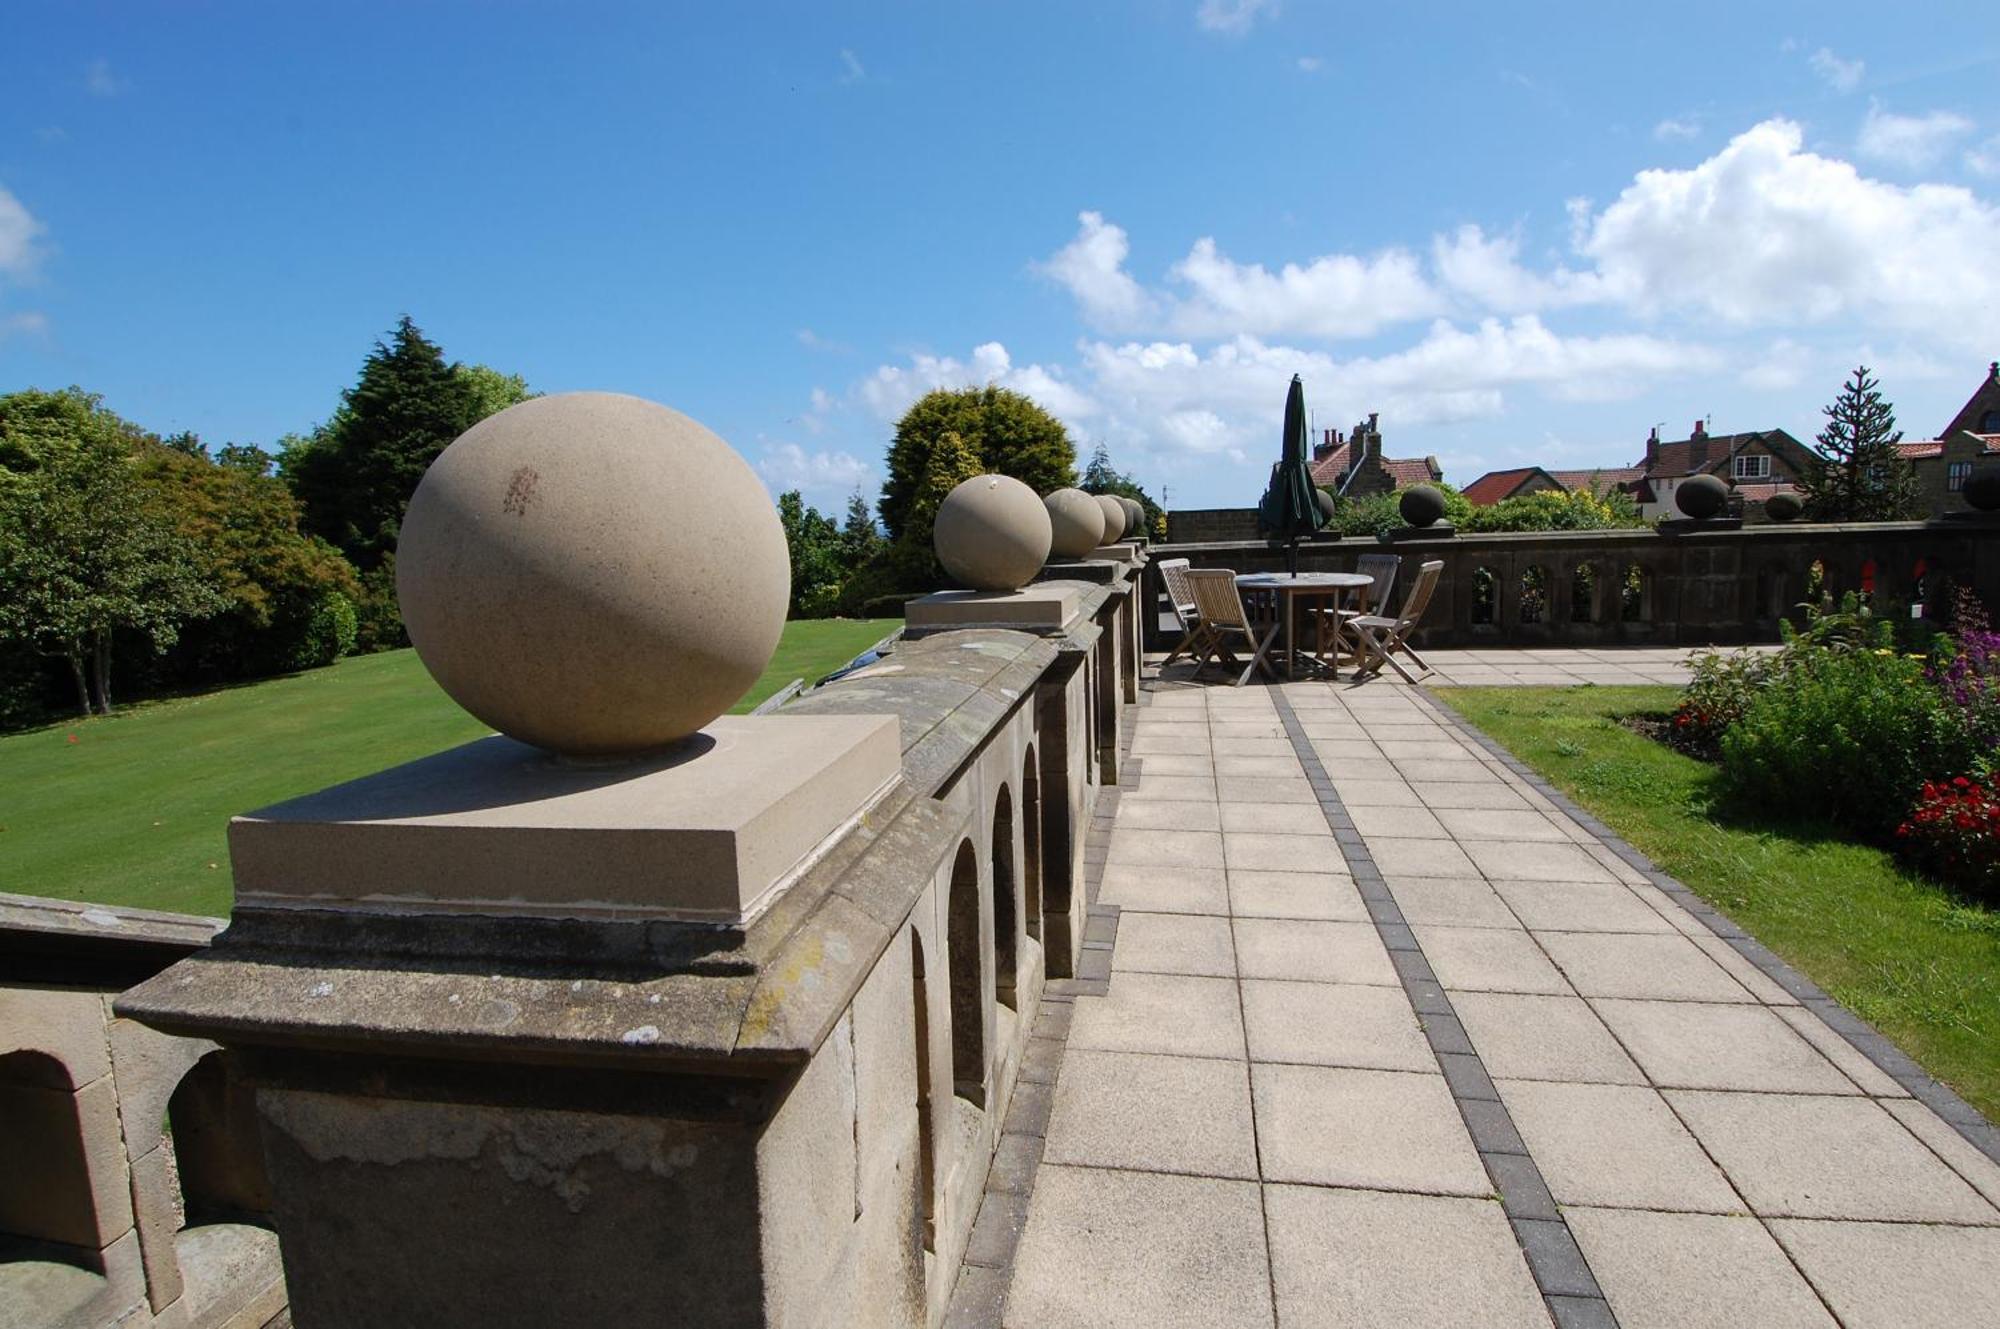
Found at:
[1898, 950]
[131, 809]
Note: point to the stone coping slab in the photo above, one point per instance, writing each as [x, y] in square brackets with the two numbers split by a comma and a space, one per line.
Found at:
[1044, 607]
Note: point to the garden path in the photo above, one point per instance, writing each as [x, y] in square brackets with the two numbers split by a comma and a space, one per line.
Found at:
[1371, 1031]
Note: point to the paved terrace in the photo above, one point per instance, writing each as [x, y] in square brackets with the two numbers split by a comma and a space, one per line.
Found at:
[1373, 1033]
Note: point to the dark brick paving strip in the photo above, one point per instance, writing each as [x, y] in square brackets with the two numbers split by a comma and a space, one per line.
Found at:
[1863, 1037]
[1556, 1261]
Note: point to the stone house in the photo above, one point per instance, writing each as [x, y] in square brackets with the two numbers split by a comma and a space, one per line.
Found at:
[1943, 464]
[1497, 486]
[1354, 465]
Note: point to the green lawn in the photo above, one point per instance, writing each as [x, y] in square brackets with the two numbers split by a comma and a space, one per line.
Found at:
[131, 809]
[1897, 950]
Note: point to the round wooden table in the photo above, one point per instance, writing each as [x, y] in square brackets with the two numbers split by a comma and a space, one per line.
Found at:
[1331, 586]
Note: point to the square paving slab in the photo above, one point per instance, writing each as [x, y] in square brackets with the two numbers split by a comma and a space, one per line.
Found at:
[1174, 944]
[1900, 1276]
[1264, 851]
[1668, 968]
[1322, 895]
[1524, 1036]
[1385, 1130]
[1803, 1157]
[1489, 960]
[1179, 890]
[1163, 1013]
[1334, 1024]
[1154, 1114]
[1694, 1271]
[1581, 906]
[1614, 1145]
[1697, 1045]
[1139, 1250]
[1369, 1260]
[1451, 902]
[1312, 952]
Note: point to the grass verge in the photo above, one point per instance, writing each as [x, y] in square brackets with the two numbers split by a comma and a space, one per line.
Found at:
[130, 809]
[1897, 949]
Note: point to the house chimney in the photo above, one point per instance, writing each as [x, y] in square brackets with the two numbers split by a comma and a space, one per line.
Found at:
[1652, 447]
[1698, 447]
[1374, 438]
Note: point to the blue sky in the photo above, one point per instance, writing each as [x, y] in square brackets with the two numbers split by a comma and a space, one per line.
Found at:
[1520, 238]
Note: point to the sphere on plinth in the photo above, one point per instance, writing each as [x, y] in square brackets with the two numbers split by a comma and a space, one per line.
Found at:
[592, 573]
[1135, 515]
[1326, 504]
[992, 533]
[1783, 506]
[1982, 488]
[1114, 518]
[1701, 496]
[1076, 523]
[1422, 505]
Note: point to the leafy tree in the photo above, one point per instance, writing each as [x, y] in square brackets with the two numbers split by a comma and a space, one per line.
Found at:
[247, 457]
[1006, 433]
[493, 391]
[84, 554]
[950, 462]
[815, 546]
[1101, 477]
[860, 537]
[355, 475]
[1857, 473]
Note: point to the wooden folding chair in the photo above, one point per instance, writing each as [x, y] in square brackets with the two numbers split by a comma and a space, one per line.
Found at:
[1383, 637]
[1221, 609]
[1333, 631]
[1194, 632]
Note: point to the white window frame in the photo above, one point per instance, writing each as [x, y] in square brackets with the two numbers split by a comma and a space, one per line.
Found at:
[1746, 470]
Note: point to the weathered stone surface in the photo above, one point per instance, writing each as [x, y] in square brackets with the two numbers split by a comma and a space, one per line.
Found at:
[1045, 607]
[1153, 1113]
[1693, 1271]
[157, 1218]
[593, 573]
[1076, 522]
[149, 1067]
[1614, 1145]
[65, 1025]
[1900, 1276]
[704, 834]
[1384, 1130]
[1115, 519]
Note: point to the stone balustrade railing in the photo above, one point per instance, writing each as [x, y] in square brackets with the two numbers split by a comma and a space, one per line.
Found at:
[473, 1120]
[1690, 587]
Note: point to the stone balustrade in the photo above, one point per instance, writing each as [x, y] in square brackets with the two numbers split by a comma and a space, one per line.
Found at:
[1688, 587]
[460, 1118]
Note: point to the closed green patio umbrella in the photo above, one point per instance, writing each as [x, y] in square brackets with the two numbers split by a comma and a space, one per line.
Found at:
[1289, 511]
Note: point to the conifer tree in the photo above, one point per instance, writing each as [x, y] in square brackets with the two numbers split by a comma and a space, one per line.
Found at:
[1857, 473]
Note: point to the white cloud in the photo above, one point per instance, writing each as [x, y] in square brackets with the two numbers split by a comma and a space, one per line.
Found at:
[1783, 365]
[788, 466]
[1310, 64]
[1233, 16]
[1092, 268]
[20, 233]
[850, 67]
[889, 391]
[1984, 159]
[1910, 141]
[1486, 269]
[1766, 233]
[99, 81]
[1335, 295]
[814, 342]
[1840, 75]
[1676, 127]
[27, 323]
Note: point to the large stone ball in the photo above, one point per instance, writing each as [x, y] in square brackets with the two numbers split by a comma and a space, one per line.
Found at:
[592, 573]
[1701, 496]
[1422, 505]
[1982, 488]
[1783, 506]
[1135, 515]
[1327, 508]
[992, 533]
[1076, 521]
[1114, 518]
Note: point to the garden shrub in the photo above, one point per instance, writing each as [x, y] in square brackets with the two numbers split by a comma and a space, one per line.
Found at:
[1716, 697]
[1850, 735]
[1953, 832]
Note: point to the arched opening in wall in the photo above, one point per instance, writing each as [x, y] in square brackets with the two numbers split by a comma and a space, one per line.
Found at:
[45, 1190]
[1485, 596]
[226, 1248]
[1635, 600]
[1583, 594]
[962, 973]
[920, 1002]
[1006, 927]
[1534, 607]
[1031, 845]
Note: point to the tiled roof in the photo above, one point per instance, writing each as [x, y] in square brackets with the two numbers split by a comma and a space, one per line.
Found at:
[1677, 458]
[1404, 471]
[1327, 470]
[1923, 447]
[1493, 486]
[1599, 481]
[1762, 493]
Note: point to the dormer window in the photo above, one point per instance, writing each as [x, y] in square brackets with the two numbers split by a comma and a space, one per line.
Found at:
[1753, 466]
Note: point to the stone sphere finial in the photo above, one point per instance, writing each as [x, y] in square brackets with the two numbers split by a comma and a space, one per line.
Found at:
[1422, 505]
[1114, 518]
[1135, 515]
[1783, 506]
[1701, 496]
[1982, 489]
[592, 573]
[1077, 523]
[992, 533]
